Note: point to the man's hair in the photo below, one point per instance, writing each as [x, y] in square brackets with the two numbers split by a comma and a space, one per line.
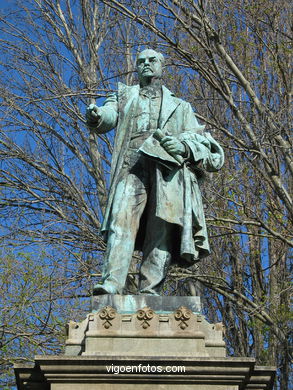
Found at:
[159, 55]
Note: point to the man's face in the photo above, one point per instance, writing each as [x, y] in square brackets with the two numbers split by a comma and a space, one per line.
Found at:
[148, 65]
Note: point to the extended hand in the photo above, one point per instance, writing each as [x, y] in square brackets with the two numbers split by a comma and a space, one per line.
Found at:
[92, 114]
[173, 145]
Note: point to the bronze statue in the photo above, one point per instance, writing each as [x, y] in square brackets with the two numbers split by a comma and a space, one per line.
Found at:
[160, 155]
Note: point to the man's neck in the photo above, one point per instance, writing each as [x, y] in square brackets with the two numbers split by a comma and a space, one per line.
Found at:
[155, 83]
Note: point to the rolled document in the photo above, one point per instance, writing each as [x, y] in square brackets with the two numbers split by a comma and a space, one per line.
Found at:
[159, 135]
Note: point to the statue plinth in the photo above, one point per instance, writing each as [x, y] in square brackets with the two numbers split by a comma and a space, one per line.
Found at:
[145, 325]
[125, 304]
[130, 342]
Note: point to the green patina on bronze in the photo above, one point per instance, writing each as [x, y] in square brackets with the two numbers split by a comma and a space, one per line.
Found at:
[160, 156]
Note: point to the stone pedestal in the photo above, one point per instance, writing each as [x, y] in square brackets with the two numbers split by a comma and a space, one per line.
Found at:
[146, 326]
[145, 342]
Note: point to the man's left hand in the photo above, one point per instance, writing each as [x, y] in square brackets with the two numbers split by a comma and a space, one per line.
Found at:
[173, 145]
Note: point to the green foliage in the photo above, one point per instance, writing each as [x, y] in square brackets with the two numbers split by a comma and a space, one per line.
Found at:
[34, 308]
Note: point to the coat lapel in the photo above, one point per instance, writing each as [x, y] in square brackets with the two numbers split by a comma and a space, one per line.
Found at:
[169, 105]
[127, 95]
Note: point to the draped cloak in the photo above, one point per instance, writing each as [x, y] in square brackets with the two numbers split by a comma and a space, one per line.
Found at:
[178, 196]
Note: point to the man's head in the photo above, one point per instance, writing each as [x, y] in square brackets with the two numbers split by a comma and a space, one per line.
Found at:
[149, 65]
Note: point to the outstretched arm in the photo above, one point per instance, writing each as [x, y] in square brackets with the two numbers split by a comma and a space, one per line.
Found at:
[103, 119]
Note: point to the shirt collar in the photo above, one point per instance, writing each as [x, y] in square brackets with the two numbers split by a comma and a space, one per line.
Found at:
[151, 92]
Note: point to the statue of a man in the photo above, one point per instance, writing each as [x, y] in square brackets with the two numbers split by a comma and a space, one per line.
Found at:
[160, 155]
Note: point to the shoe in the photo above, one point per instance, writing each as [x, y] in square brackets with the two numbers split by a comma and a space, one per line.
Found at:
[102, 289]
[149, 292]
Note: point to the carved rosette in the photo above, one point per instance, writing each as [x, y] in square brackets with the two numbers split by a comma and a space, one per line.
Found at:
[182, 315]
[107, 314]
[145, 315]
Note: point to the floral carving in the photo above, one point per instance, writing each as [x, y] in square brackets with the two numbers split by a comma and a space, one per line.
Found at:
[145, 315]
[182, 315]
[107, 314]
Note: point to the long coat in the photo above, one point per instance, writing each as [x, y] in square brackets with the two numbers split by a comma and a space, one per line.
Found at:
[178, 196]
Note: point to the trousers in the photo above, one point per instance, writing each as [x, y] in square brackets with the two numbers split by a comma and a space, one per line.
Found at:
[136, 194]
